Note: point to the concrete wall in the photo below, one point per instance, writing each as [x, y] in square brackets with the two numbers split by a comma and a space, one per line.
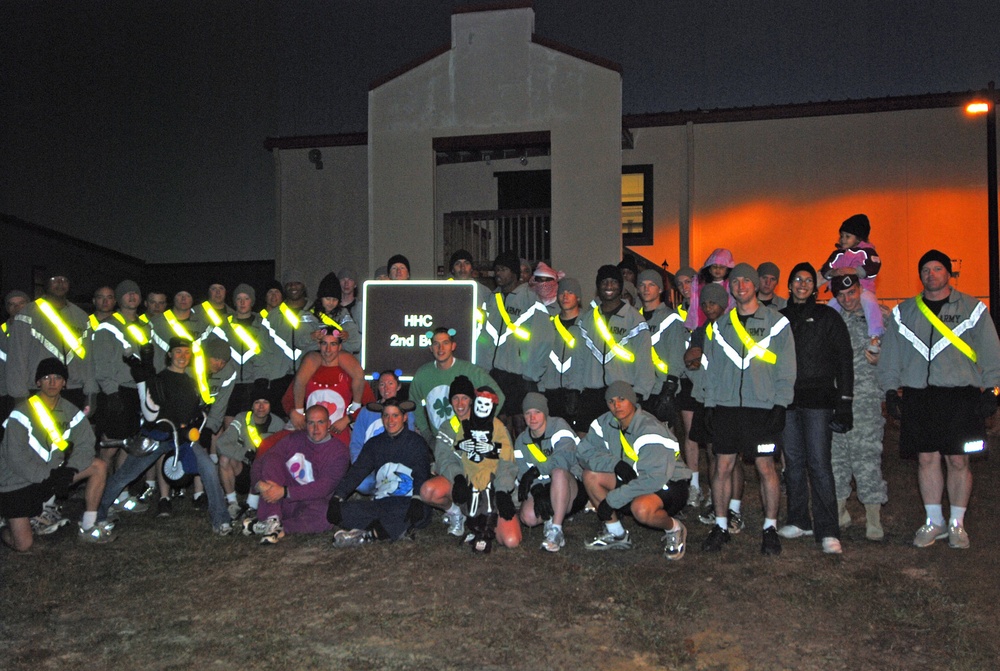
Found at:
[494, 79]
[322, 214]
[778, 190]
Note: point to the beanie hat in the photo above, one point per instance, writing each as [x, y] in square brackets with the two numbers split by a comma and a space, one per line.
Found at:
[686, 271]
[461, 385]
[329, 287]
[620, 389]
[935, 255]
[51, 366]
[381, 271]
[398, 258]
[746, 271]
[714, 293]
[768, 268]
[650, 276]
[799, 267]
[274, 284]
[508, 260]
[535, 401]
[347, 274]
[244, 288]
[217, 348]
[459, 255]
[260, 391]
[572, 285]
[126, 287]
[609, 272]
[858, 226]
[628, 263]
[15, 293]
[840, 283]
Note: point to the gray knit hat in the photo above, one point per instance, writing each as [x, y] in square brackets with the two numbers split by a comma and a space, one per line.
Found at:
[746, 271]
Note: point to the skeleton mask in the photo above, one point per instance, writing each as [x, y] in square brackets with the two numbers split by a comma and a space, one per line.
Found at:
[486, 402]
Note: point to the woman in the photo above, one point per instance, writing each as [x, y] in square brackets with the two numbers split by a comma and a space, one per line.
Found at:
[330, 312]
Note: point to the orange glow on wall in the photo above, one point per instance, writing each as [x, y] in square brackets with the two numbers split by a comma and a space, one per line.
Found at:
[905, 224]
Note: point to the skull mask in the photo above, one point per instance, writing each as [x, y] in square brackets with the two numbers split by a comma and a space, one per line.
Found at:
[485, 404]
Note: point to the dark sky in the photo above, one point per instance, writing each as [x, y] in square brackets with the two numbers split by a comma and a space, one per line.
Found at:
[140, 125]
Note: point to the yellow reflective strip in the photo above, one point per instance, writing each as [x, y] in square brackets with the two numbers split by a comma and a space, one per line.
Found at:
[70, 338]
[456, 423]
[682, 312]
[133, 330]
[537, 453]
[518, 331]
[943, 329]
[660, 364]
[252, 432]
[213, 316]
[330, 322]
[290, 316]
[200, 370]
[602, 326]
[245, 336]
[627, 448]
[3, 327]
[144, 319]
[708, 331]
[48, 422]
[92, 320]
[564, 332]
[753, 348]
[175, 325]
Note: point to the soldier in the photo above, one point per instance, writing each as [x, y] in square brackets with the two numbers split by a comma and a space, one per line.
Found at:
[857, 453]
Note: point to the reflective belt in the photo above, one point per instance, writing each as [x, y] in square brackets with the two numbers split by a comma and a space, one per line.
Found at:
[627, 448]
[456, 423]
[3, 327]
[136, 332]
[762, 353]
[245, 336]
[289, 315]
[329, 321]
[943, 329]
[48, 423]
[518, 331]
[200, 374]
[92, 320]
[602, 326]
[213, 316]
[69, 338]
[564, 332]
[175, 325]
[252, 432]
[144, 319]
[660, 364]
[682, 312]
[708, 330]
[537, 453]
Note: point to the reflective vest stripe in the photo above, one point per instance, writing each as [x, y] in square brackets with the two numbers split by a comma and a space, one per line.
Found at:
[243, 334]
[176, 326]
[138, 335]
[49, 424]
[200, 374]
[329, 321]
[752, 346]
[564, 332]
[682, 312]
[537, 453]
[949, 335]
[627, 449]
[616, 347]
[653, 439]
[213, 316]
[92, 320]
[560, 366]
[71, 340]
[513, 327]
[252, 432]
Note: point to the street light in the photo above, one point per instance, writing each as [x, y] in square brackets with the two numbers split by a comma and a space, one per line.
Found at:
[989, 108]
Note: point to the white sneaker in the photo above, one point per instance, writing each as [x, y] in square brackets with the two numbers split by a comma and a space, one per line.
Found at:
[456, 524]
[792, 531]
[554, 540]
[694, 496]
[831, 546]
[47, 522]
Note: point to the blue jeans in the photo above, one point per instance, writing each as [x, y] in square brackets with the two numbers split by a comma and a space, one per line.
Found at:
[134, 466]
[807, 439]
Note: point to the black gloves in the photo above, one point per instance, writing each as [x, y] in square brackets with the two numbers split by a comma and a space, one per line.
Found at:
[141, 367]
[987, 404]
[527, 480]
[541, 495]
[61, 478]
[776, 420]
[505, 505]
[624, 473]
[843, 416]
[415, 512]
[893, 404]
[205, 439]
[605, 511]
[461, 491]
[334, 515]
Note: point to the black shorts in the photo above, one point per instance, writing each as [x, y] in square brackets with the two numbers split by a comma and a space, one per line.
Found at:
[121, 422]
[581, 500]
[941, 419]
[684, 400]
[742, 431]
[674, 497]
[514, 388]
[25, 502]
[699, 432]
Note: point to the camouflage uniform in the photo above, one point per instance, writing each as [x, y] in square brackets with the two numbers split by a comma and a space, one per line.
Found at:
[858, 453]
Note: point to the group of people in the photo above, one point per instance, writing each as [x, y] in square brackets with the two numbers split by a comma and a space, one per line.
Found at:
[574, 401]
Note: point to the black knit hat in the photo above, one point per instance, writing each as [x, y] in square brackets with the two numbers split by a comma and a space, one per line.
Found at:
[935, 255]
[509, 260]
[858, 226]
[628, 263]
[459, 255]
[609, 272]
[398, 258]
[462, 385]
[51, 366]
[329, 287]
[799, 267]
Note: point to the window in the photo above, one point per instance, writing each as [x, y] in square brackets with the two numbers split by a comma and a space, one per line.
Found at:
[637, 205]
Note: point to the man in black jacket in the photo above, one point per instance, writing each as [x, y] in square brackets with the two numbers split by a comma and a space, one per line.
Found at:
[824, 386]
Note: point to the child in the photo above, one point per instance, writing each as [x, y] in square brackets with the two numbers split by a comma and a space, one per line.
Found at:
[715, 271]
[855, 255]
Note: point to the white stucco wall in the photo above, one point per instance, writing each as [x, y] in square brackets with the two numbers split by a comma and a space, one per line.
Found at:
[493, 80]
[322, 214]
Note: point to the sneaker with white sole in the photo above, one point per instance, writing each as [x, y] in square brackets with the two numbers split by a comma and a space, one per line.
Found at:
[352, 538]
[554, 539]
[930, 532]
[269, 530]
[149, 494]
[47, 522]
[456, 524]
[736, 523]
[792, 531]
[958, 537]
[694, 497]
[235, 510]
[675, 542]
[608, 541]
[102, 532]
[831, 546]
[129, 504]
[223, 529]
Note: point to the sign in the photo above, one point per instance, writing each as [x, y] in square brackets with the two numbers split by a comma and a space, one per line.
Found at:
[398, 315]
